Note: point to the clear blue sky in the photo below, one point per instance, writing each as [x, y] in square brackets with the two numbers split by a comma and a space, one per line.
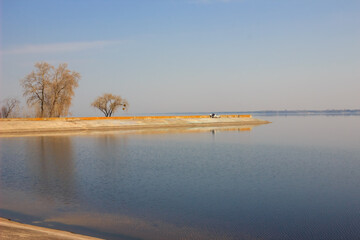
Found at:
[190, 55]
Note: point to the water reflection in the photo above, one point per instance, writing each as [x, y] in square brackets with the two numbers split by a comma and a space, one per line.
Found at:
[110, 145]
[51, 162]
[272, 182]
[137, 131]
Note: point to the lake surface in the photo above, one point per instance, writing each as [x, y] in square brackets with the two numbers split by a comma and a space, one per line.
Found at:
[296, 178]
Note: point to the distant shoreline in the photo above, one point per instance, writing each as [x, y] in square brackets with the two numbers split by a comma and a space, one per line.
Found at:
[335, 112]
[56, 125]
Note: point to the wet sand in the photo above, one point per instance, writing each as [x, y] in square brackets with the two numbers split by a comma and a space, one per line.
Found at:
[14, 230]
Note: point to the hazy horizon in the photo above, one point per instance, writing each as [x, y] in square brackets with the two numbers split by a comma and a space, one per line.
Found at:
[190, 55]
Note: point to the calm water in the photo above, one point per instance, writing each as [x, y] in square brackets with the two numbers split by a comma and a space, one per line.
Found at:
[296, 178]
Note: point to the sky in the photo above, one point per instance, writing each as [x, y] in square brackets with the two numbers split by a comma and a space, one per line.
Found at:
[167, 56]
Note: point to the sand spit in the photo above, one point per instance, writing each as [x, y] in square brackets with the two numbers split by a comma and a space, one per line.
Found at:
[53, 125]
[13, 230]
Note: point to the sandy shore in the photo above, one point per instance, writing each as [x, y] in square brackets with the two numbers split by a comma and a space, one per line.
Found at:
[28, 126]
[14, 230]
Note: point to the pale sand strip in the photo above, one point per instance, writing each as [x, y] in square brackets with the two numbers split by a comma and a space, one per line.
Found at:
[17, 126]
[14, 230]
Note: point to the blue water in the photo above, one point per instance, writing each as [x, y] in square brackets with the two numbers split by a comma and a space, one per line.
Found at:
[296, 178]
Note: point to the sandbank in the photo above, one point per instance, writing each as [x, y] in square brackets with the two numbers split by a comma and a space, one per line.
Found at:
[35, 126]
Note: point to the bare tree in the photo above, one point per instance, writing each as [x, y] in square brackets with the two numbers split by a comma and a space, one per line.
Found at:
[109, 104]
[50, 89]
[9, 105]
[36, 86]
[62, 90]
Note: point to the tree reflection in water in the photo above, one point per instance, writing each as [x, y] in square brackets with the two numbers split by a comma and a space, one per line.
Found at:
[52, 164]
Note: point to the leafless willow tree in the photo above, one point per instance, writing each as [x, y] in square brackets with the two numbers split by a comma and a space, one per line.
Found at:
[50, 89]
[9, 106]
[36, 85]
[109, 104]
[62, 90]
